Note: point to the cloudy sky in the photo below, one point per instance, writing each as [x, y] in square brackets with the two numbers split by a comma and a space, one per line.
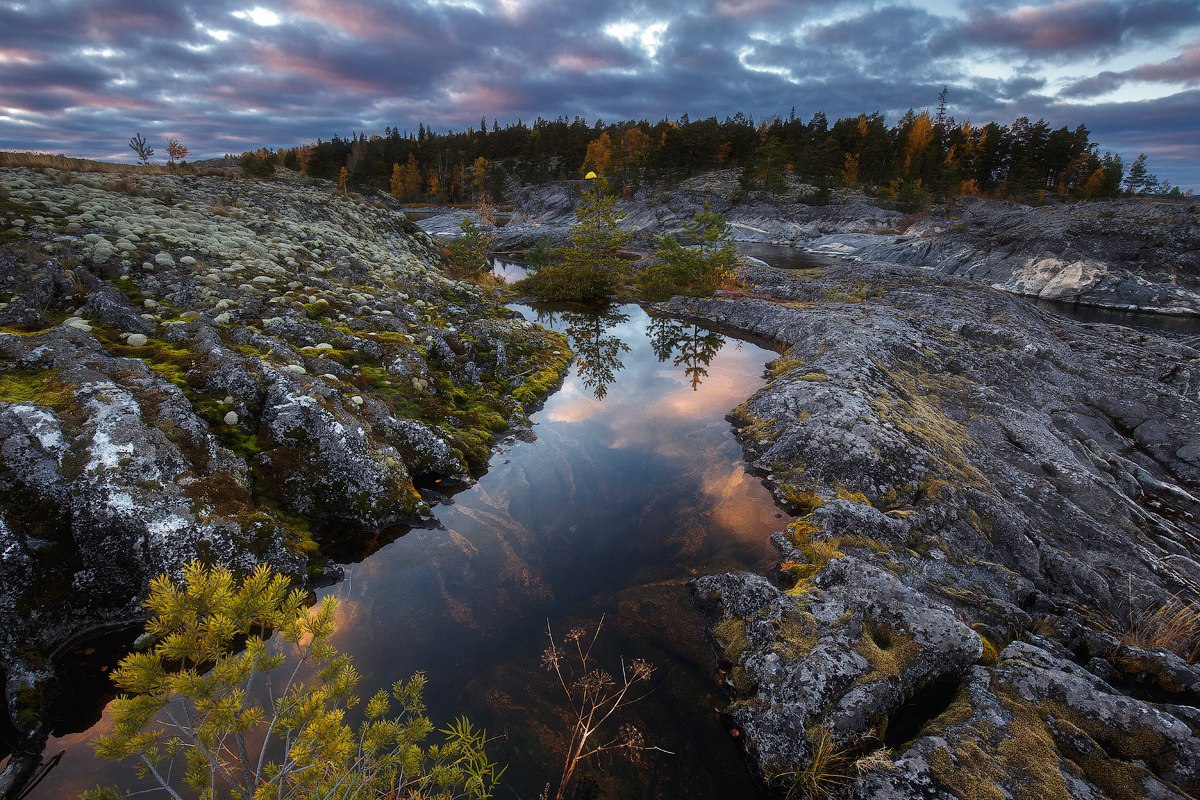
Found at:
[81, 76]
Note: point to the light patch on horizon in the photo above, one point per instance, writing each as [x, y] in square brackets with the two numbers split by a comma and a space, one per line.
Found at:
[13, 55]
[1133, 91]
[12, 115]
[263, 17]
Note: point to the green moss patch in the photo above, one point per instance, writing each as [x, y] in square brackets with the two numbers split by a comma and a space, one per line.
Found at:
[41, 387]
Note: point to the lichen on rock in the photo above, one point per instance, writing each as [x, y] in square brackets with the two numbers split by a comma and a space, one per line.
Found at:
[221, 369]
[989, 494]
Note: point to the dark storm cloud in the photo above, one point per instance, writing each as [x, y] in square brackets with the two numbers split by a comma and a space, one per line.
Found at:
[82, 75]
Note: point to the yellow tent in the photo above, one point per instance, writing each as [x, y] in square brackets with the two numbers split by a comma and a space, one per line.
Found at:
[590, 176]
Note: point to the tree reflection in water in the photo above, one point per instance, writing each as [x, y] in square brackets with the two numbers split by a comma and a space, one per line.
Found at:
[695, 346]
[597, 352]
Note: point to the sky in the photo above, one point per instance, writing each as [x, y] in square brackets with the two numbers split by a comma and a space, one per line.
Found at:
[224, 76]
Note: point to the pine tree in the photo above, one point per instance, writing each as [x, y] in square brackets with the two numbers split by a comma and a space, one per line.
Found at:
[194, 699]
[591, 267]
[1139, 180]
[710, 261]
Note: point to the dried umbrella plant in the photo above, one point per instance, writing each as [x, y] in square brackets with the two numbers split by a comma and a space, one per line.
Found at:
[594, 696]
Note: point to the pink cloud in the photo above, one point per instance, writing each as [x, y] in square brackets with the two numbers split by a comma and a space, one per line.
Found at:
[749, 8]
[492, 100]
[582, 62]
[21, 54]
[355, 20]
[1184, 68]
[1060, 26]
[278, 59]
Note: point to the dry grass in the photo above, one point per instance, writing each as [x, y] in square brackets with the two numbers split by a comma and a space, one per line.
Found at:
[1173, 626]
[827, 770]
[67, 163]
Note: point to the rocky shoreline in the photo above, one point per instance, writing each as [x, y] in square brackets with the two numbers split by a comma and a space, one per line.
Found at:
[230, 370]
[991, 498]
[993, 501]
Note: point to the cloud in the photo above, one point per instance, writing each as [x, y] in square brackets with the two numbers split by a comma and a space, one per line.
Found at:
[1069, 28]
[83, 75]
[1183, 69]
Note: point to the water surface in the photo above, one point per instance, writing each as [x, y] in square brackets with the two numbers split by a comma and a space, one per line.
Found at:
[633, 486]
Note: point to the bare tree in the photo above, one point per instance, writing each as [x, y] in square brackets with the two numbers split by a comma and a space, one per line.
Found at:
[138, 145]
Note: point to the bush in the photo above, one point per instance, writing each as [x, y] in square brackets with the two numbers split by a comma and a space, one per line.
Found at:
[697, 270]
[258, 164]
[469, 252]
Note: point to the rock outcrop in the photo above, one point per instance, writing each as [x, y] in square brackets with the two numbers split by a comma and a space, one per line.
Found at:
[1133, 254]
[1140, 253]
[994, 505]
[547, 211]
[211, 368]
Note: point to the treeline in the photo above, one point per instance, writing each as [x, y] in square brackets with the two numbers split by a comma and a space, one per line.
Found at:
[924, 157]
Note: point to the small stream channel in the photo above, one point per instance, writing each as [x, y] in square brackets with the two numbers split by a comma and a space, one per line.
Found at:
[633, 486]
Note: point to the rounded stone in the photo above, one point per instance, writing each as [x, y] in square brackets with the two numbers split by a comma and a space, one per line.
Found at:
[231, 418]
[136, 340]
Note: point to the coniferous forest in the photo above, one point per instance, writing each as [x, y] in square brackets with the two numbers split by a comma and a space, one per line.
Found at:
[924, 157]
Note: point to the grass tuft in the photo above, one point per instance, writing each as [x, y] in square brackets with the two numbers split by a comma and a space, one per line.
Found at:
[826, 771]
[1173, 626]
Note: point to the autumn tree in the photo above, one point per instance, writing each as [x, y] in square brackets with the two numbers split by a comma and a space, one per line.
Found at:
[396, 184]
[258, 163]
[599, 156]
[240, 692]
[479, 173]
[412, 179]
[176, 151]
[633, 155]
[343, 178]
[920, 146]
